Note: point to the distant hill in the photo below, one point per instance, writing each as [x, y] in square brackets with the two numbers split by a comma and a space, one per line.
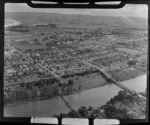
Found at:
[110, 21]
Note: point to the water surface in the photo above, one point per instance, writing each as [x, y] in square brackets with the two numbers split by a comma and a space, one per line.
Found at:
[94, 97]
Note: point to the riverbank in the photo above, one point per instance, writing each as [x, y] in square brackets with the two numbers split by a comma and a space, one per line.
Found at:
[93, 97]
[121, 106]
[9, 23]
[127, 74]
[86, 83]
[79, 84]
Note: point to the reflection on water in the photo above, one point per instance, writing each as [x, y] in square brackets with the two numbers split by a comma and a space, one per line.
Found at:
[94, 97]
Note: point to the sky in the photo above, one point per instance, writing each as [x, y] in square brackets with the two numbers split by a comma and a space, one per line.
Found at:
[128, 10]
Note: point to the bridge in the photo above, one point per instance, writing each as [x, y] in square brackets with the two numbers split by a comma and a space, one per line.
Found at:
[106, 75]
[102, 69]
[67, 104]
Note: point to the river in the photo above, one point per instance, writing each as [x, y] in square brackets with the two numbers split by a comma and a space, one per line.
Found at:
[95, 97]
[11, 23]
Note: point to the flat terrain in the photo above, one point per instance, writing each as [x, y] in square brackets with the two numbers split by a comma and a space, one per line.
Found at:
[72, 49]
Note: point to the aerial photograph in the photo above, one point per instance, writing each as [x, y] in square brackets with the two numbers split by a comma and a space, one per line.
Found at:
[76, 63]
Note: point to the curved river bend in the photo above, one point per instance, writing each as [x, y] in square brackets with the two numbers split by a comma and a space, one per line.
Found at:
[94, 97]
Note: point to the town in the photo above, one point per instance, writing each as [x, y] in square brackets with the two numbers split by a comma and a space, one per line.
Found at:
[43, 58]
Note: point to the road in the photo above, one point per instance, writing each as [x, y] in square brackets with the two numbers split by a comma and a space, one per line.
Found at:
[56, 76]
[40, 65]
[100, 68]
[107, 76]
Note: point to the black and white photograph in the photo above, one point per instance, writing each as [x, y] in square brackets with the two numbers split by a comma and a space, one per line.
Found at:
[75, 63]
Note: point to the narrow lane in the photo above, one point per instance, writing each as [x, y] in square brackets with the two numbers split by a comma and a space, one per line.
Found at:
[40, 65]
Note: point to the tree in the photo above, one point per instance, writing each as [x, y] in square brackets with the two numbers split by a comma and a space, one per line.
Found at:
[70, 82]
[113, 113]
[132, 62]
[28, 85]
[73, 114]
[22, 84]
[46, 91]
[83, 111]
[79, 87]
[90, 108]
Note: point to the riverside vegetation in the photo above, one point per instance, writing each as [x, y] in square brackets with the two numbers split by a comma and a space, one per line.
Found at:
[121, 106]
[44, 47]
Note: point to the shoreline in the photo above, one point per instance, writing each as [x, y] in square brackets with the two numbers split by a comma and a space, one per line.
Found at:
[76, 92]
[46, 98]
[14, 23]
